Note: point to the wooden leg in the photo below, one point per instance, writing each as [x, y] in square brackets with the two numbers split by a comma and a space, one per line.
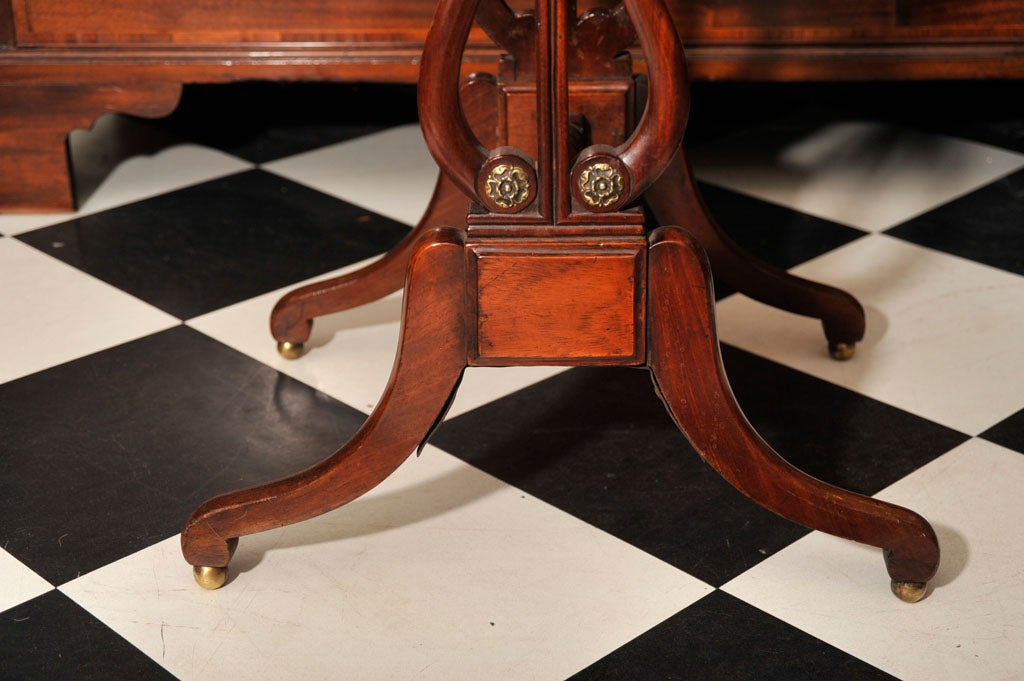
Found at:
[291, 321]
[687, 368]
[431, 358]
[34, 124]
[675, 200]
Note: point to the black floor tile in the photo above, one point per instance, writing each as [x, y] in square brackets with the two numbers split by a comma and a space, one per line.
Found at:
[721, 637]
[202, 248]
[597, 443]
[1008, 433]
[51, 638]
[991, 112]
[109, 454]
[775, 234]
[986, 225]
[262, 121]
[830, 432]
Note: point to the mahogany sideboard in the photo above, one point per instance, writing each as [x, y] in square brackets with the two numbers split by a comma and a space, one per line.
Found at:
[63, 64]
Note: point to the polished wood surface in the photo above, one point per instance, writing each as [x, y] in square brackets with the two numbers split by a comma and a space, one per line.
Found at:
[547, 273]
[577, 302]
[687, 369]
[105, 45]
[50, 23]
[426, 372]
[34, 124]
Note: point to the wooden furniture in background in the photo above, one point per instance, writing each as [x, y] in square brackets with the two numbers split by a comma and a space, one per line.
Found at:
[556, 267]
[63, 64]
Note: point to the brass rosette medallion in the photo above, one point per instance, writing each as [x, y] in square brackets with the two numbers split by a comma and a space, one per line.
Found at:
[508, 186]
[601, 185]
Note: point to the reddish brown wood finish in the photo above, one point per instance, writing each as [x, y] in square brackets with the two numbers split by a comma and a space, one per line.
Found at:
[687, 369]
[34, 123]
[567, 302]
[292, 318]
[431, 357]
[40, 23]
[546, 286]
[105, 45]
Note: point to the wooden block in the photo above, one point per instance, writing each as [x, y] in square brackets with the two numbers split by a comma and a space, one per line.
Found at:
[560, 303]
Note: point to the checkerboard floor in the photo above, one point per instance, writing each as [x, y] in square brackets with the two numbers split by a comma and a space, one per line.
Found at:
[558, 526]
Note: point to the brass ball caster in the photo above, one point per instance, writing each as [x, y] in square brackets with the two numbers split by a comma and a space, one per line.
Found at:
[210, 577]
[842, 351]
[289, 350]
[909, 592]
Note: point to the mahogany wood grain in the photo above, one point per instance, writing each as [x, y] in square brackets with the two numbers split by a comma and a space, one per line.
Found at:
[955, 15]
[106, 44]
[430, 361]
[686, 365]
[41, 23]
[660, 130]
[34, 123]
[6, 26]
[449, 137]
[568, 302]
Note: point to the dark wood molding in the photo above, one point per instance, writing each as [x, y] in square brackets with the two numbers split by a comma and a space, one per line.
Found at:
[6, 25]
[400, 63]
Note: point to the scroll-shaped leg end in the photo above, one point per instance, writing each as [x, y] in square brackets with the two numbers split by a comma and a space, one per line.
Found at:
[684, 358]
[676, 200]
[431, 358]
[915, 562]
[207, 552]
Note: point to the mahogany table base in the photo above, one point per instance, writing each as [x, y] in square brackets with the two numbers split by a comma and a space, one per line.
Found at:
[555, 268]
[673, 198]
[678, 345]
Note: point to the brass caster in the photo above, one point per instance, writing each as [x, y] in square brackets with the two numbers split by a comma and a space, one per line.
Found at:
[210, 577]
[842, 351]
[289, 350]
[909, 592]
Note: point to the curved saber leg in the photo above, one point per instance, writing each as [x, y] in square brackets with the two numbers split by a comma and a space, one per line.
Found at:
[291, 321]
[684, 359]
[675, 200]
[430, 361]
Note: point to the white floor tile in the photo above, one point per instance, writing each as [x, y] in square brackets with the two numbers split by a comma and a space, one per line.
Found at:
[122, 160]
[943, 338]
[442, 572]
[350, 354]
[390, 172]
[867, 175]
[972, 624]
[54, 313]
[18, 583]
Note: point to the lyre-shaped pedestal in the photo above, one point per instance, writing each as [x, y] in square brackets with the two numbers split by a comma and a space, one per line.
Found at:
[554, 266]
